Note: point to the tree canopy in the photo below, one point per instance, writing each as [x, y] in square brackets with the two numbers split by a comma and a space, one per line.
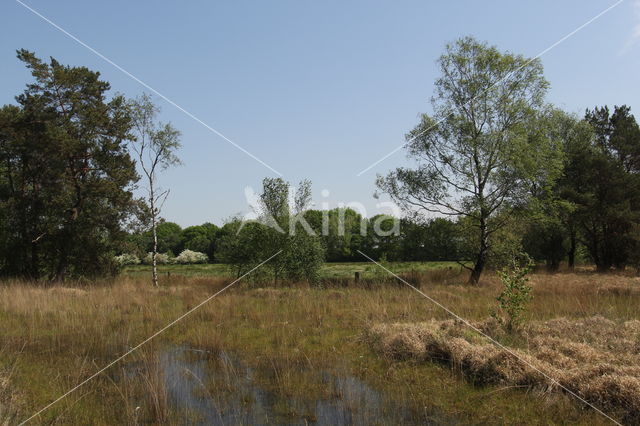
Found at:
[482, 146]
[67, 175]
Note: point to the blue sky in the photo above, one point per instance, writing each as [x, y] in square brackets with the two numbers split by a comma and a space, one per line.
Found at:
[317, 90]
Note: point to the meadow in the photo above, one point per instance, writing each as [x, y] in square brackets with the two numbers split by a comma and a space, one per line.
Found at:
[333, 270]
[302, 354]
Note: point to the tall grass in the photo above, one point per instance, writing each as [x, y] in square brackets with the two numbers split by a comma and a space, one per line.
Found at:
[53, 338]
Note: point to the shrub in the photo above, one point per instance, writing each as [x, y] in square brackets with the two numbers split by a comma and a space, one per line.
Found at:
[516, 292]
[189, 256]
[161, 259]
[127, 259]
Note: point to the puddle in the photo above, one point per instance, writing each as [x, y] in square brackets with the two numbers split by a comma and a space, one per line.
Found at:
[218, 389]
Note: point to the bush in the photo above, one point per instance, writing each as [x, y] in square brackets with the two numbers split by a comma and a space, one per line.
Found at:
[516, 292]
[161, 259]
[127, 259]
[189, 256]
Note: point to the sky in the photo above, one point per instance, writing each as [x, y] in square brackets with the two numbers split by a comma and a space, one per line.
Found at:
[316, 90]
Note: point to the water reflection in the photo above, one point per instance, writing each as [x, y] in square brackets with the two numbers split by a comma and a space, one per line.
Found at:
[218, 389]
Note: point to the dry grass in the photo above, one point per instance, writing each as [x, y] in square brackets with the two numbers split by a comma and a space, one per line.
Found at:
[597, 358]
[9, 400]
[56, 337]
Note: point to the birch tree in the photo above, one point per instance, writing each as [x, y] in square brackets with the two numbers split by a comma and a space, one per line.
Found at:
[483, 144]
[155, 145]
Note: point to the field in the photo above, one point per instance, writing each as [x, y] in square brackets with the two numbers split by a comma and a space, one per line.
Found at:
[304, 354]
[329, 271]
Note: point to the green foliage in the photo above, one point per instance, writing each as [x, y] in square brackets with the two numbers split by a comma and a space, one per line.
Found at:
[506, 241]
[483, 147]
[437, 239]
[280, 229]
[240, 245]
[302, 258]
[516, 292]
[383, 238]
[201, 238]
[65, 190]
[340, 231]
[602, 184]
[155, 144]
[169, 237]
[546, 239]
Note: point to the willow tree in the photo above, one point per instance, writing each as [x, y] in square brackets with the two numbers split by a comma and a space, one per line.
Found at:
[483, 144]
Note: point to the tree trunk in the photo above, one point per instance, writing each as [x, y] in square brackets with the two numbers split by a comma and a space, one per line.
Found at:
[61, 269]
[572, 250]
[154, 253]
[478, 267]
[34, 268]
[66, 239]
[481, 257]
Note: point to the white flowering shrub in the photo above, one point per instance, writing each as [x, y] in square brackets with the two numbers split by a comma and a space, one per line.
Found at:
[127, 259]
[161, 259]
[189, 256]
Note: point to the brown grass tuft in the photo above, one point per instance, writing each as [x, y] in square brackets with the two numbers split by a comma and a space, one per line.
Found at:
[594, 357]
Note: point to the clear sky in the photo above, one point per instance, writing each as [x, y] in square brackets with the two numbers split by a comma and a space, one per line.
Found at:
[317, 90]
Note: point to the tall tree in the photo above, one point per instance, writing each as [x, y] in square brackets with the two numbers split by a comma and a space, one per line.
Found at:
[602, 181]
[551, 232]
[482, 145]
[155, 145]
[67, 174]
[201, 238]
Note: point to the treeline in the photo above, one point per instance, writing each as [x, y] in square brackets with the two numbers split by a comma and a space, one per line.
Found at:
[504, 173]
[518, 174]
[348, 234]
[594, 204]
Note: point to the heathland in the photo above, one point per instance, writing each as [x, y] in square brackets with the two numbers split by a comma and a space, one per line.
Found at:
[500, 180]
[305, 353]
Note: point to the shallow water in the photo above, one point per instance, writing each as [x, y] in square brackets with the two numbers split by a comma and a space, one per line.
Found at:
[190, 375]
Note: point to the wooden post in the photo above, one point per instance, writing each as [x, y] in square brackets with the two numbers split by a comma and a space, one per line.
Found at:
[357, 277]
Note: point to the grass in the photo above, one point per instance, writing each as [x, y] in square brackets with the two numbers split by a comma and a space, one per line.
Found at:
[202, 270]
[337, 270]
[52, 338]
[593, 357]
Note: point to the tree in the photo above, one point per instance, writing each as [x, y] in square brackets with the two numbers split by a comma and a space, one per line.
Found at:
[382, 240]
[301, 250]
[240, 245]
[66, 174]
[281, 228]
[201, 238]
[602, 182]
[482, 146]
[551, 233]
[168, 238]
[341, 232]
[155, 145]
[442, 240]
